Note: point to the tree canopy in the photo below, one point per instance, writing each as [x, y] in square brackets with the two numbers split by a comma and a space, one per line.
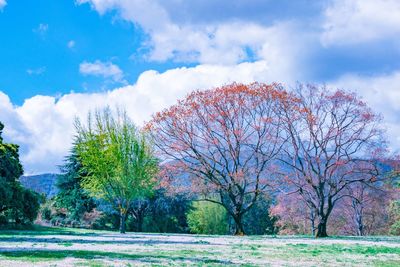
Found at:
[225, 140]
[117, 159]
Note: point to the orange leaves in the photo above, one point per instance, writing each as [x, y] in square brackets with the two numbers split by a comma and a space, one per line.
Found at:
[225, 100]
[222, 136]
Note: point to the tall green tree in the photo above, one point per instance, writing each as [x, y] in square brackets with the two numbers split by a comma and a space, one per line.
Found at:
[71, 195]
[118, 160]
[17, 204]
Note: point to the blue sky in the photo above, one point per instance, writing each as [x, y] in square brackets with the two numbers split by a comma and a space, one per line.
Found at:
[54, 65]
[60, 59]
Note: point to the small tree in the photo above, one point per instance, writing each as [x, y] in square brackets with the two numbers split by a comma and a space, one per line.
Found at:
[117, 159]
[224, 141]
[366, 209]
[334, 141]
[293, 215]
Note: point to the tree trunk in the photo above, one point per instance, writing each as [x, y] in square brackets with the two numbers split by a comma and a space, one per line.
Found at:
[321, 229]
[358, 217]
[140, 222]
[360, 225]
[122, 222]
[312, 222]
[239, 229]
[360, 230]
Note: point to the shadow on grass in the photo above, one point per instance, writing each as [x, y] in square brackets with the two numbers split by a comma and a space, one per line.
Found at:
[45, 255]
[42, 230]
[121, 240]
[335, 249]
[389, 239]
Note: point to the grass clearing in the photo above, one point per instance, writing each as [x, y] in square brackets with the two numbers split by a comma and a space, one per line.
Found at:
[78, 247]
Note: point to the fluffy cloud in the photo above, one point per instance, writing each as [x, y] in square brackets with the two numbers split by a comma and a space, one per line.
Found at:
[104, 69]
[3, 3]
[357, 21]
[227, 41]
[201, 31]
[43, 125]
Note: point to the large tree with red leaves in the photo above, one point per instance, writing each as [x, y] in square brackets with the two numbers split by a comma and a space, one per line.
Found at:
[225, 140]
[332, 141]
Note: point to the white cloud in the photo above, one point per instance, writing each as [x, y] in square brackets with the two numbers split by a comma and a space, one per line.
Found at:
[41, 29]
[357, 21]
[223, 42]
[37, 71]
[382, 93]
[104, 69]
[43, 125]
[71, 44]
[3, 3]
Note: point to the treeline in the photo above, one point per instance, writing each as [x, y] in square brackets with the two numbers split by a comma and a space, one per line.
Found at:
[239, 159]
[98, 190]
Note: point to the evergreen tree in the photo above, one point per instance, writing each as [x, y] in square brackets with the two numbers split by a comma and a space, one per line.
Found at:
[71, 195]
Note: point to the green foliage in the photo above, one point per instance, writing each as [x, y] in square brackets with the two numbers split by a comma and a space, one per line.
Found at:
[163, 214]
[208, 218]
[71, 195]
[18, 206]
[394, 211]
[46, 214]
[10, 166]
[257, 221]
[117, 159]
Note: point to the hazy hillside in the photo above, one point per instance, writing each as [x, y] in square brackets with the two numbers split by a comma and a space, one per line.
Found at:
[43, 183]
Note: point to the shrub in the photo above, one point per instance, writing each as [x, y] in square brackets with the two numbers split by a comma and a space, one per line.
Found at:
[394, 211]
[46, 214]
[208, 218]
[258, 220]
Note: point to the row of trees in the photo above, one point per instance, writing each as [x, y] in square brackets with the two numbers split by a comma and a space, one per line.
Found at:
[317, 152]
[113, 164]
[236, 142]
[232, 145]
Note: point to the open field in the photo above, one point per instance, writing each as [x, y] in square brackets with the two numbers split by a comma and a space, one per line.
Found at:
[71, 247]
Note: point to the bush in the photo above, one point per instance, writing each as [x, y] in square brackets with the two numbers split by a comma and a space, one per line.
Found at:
[166, 213]
[395, 228]
[394, 212]
[208, 218]
[3, 220]
[258, 221]
[46, 214]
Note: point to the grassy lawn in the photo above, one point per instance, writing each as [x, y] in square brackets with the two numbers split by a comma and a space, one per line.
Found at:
[76, 247]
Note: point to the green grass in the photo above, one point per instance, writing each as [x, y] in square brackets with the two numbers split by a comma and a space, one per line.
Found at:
[340, 249]
[35, 256]
[42, 230]
[101, 248]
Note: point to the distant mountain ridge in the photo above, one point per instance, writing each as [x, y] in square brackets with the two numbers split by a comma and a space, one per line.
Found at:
[42, 183]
